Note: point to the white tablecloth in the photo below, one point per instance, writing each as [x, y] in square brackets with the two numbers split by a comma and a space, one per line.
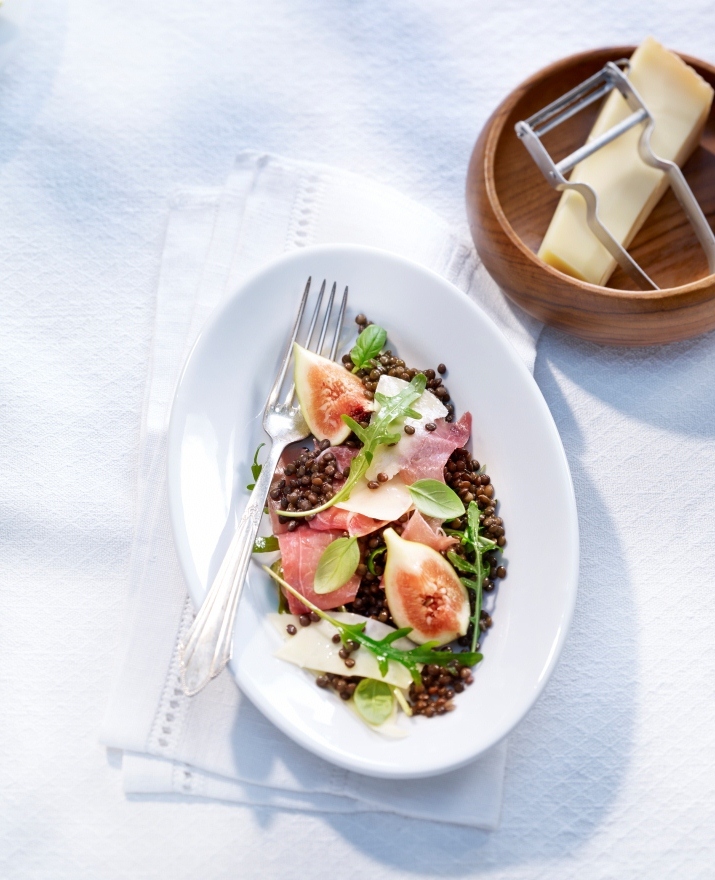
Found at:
[104, 109]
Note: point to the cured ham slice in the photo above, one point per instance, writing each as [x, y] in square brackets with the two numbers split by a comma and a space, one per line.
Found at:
[427, 532]
[300, 553]
[355, 524]
[343, 455]
[456, 432]
[424, 457]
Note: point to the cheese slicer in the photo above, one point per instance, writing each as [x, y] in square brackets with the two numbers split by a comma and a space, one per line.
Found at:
[612, 76]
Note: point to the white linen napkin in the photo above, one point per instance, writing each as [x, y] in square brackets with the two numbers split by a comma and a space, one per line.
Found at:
[217, 745]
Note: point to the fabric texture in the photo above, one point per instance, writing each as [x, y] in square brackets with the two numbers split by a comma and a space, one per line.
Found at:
[191, 746]
[105, 107]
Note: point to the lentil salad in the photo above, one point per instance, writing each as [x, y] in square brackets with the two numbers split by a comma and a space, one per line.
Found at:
[303, 502]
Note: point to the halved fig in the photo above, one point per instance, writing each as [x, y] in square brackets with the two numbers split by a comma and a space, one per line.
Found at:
[325, 392]
[424, 592]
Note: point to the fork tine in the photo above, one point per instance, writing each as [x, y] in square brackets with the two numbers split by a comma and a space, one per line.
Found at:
[273, 396]
[339, 327]
[314, 319]
[323, 330]
[326, 319]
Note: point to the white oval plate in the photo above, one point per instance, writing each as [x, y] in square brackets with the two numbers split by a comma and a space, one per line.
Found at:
[216, 426]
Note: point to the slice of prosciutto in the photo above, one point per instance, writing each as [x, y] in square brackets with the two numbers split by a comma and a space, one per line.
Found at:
[343, 455]
[422, 456]
[355, 524]
[300, 553]
[427, 531]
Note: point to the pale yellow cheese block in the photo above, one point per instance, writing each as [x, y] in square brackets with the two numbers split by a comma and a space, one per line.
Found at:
[679, 100]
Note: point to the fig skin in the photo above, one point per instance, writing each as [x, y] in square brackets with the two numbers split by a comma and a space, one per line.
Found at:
[326, 391]
[423, 591]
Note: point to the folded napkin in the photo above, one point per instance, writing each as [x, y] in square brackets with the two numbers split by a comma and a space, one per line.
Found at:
[217, 745]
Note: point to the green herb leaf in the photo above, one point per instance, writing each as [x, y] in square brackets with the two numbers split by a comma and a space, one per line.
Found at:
[381, 431]
[336, 565]
[382, 649]
[277, 569]
[372, 556]
[462, 564]
[477, 545]
[434, 498]
[368, 346]
[266, 545]
[255, 467]
[374, 700]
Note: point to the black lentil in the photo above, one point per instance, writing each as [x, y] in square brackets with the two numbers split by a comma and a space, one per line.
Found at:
[308, 482]
[439, 685]
[343, 685]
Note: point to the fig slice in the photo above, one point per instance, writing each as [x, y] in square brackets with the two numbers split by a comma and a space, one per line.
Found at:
[326, 391]
[423, 591]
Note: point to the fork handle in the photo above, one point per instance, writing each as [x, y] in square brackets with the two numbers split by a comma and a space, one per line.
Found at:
[206, 649]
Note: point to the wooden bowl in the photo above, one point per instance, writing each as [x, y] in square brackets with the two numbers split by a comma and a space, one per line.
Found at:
[510, 205]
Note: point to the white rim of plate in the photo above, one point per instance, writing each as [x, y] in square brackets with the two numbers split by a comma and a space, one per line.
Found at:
[356, 763]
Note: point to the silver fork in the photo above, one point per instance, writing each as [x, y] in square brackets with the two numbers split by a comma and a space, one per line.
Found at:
[207, 647]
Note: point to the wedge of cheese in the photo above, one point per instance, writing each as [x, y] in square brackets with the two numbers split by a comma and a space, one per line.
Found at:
[628, 189]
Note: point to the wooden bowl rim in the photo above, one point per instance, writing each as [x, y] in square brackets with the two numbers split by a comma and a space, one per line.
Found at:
[496, 127]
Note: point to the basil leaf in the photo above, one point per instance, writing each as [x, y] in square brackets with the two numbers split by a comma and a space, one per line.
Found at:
[337, 565]
[266, 545]
[374, 700]
[255, 467]
[436, 499]
[368, 346]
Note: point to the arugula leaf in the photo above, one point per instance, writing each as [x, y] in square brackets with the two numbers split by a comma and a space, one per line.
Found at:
[372, 555]
[478, 545]
[462, 564]
[477, 586]
[368, 346]
[434, 498]
[277, 568]
[266, 545]
[374, 700]
[381, 431]
[382, 649]
[255, 468]
[336, 565]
